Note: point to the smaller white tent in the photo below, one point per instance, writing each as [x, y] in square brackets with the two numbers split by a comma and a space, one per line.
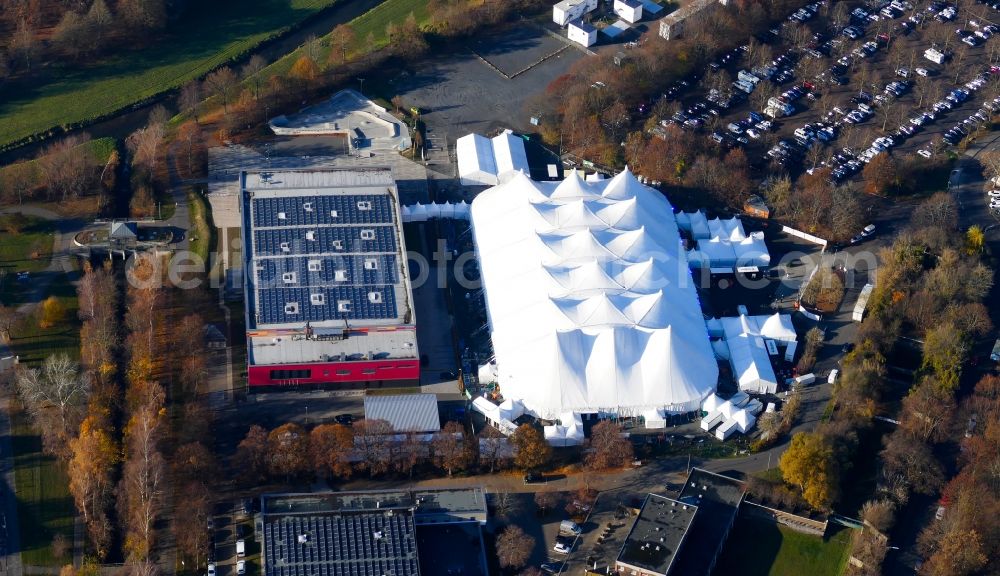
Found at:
[654, 419]
[494, 415]
[476, 164]
[422, 212]
[726, 246]
[569, 432]
[483, 161]
[744, 421]
[711, 404]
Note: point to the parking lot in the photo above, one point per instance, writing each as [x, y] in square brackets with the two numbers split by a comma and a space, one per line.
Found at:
[461, 94]
[842, 89]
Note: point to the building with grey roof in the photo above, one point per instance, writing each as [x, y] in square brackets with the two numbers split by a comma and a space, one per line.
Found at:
[682, 537]
[378, 533]
[405, 412]
[718, 499]
[327, 290]
[653, 543]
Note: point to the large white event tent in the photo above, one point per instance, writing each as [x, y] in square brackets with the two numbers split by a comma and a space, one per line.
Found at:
[590, 301]
[482, 161]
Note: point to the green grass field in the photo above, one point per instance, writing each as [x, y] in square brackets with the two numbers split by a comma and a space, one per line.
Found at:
[760, 548]
[30, 249]
[44, 505]
[374, 22]
[205, 39]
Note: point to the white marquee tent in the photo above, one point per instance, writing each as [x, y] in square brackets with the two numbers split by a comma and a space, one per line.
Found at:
[744, 338]
[483, 161]
[589, 298]
[723, 244]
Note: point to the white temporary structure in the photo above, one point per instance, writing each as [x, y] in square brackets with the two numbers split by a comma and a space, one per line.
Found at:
[589, 299]
[568, 432]
[567, 10]
[502, 419]
[422, 212]
[743, 341]
[476, 165]
[727, 246]
[483, 161]
[581, 32]
[628, 10]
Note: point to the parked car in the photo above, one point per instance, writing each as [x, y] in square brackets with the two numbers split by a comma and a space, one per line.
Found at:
[241, 567]
[533, 478]
[562, 547]
[211, 569]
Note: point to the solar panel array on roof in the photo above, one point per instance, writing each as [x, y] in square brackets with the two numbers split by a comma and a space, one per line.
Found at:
[326, 240]
[350, 270]
[364, 544]
[317, 304]
[335, 209]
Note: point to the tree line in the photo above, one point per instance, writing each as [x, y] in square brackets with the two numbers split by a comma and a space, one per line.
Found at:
[931, 284]
[327, 451]
[41, 31]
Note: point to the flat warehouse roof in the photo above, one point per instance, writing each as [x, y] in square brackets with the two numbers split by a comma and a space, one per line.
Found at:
[657, 534]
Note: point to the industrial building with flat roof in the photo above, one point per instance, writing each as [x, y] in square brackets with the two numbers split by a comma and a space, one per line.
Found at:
[656, 537]
[377, 533]
[682, 537]
[328, 296]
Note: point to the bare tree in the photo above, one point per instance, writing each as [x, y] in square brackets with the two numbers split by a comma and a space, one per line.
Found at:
[450, 452]
[222, 83]
[143, 477]
[372, 439]
[251, 71]
[57, 385]
[190, 97]
[144, 145]
[67, 167]
[546, 501]
[514, 547]
[608, 448]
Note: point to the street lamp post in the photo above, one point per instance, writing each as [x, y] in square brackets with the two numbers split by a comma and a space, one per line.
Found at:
[362, 82]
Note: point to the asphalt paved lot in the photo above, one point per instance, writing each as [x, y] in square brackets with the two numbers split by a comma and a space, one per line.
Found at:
[518, 48]
[462, 94]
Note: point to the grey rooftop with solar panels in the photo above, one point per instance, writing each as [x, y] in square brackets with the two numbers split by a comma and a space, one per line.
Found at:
[358, 533]
[324, 249]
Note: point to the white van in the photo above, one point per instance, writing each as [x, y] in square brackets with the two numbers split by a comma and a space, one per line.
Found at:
[833, 376]
[569, 527]
[241, 548]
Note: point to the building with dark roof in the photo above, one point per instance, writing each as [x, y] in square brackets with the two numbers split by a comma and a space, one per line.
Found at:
[682, 537]
[656, 537]
[380, 533]
[405, 412]
[328, 296]
[718, 499]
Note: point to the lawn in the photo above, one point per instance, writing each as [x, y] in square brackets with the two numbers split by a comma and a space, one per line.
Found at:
[200, 236]
[44, 504]
[761, 548]
[372, 22]
[33, 344]
[29, 248]
[203, 40]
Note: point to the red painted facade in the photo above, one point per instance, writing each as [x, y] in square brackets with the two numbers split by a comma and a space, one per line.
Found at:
[366, 371]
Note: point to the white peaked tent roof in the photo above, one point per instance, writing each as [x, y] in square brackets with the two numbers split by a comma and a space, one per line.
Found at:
[476, 164]
[509, 154]
[727, 245]
[589, 297]
[483, 161]
[744, 420]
